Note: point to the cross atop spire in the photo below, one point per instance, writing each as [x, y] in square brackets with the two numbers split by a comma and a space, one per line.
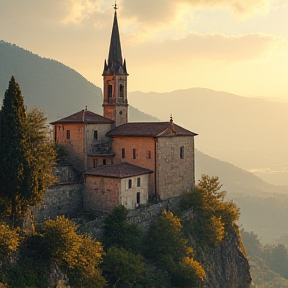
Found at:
[115, 6]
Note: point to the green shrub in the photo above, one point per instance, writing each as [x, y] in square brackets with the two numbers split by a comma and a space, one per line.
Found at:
[122, 268]
[119, 233]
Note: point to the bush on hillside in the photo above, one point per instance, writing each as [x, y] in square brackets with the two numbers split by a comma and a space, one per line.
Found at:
[122, 268]
[212, 214]
[119, 233]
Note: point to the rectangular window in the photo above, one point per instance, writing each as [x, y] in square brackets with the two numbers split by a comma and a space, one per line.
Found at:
[123, 152]
[182, 152]
[121, 90]
[109, 91]
[68, 134]
[134, 153]
[138, 197]
[95, 162]
[95, 135]
[148, 154]
[138, 182]
[130, 183]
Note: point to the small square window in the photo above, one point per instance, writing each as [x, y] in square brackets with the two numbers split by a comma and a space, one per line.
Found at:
[123, 152]
[68, 134]
[95, 135]
[134, 153]
[130, 183]
[182, 152]
[138, 182]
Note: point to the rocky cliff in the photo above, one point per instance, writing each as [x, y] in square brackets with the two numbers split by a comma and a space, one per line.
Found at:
[226, 266]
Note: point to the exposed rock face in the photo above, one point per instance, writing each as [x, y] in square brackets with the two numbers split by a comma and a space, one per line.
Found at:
[226, 266]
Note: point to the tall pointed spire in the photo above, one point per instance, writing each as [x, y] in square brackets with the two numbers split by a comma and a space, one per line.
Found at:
[115, 60]
[115, 103]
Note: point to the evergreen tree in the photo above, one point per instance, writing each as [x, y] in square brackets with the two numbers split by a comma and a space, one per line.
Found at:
[25, 152]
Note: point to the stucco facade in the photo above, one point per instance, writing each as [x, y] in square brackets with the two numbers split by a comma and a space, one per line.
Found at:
[143, 154]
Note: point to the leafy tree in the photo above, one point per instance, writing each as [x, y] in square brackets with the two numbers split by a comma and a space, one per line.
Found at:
[25, 152]
[166, 246]
[188, 273]
[122, 268]
[78, 254]
[119, 233]
[32, 266]
[61, 152]
[9, 241]
[213, 214]
[165, 241]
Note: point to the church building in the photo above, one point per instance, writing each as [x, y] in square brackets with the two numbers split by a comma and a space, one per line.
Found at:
[125, 163]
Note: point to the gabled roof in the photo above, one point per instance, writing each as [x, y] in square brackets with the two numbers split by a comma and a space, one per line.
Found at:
[150, 129]
[122, 170]
[85, 117]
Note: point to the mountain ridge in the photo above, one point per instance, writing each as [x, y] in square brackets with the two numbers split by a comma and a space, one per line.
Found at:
[54, 81]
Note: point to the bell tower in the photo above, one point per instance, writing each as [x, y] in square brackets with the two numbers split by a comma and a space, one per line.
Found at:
[115, 104]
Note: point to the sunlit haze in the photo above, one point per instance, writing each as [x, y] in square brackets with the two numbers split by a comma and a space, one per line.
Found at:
[238, 46]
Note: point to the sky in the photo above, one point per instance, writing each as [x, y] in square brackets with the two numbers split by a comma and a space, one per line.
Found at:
[237, 46]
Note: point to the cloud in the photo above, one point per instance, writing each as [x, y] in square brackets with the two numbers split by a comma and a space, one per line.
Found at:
[210, 47]
[166, 10]
[34, 11]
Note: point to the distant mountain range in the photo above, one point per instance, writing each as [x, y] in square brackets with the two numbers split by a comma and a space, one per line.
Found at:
[52, 86]
[216, 116]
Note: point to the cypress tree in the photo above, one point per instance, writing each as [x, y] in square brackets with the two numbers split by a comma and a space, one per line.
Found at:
[25, 152]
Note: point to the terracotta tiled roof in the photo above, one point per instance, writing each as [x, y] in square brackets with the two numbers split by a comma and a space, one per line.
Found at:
[122, 170]
[84, 116]
[150, 129]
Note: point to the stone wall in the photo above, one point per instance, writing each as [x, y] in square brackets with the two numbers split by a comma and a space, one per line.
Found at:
[101, 193]
[175, 175]
[141, 217]
[60, 199]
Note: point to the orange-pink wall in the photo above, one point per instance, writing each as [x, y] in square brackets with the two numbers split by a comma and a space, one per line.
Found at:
[142, 145]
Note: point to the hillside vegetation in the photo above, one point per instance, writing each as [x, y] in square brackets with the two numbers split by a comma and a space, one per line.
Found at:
[175, 252]
[269, 263]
